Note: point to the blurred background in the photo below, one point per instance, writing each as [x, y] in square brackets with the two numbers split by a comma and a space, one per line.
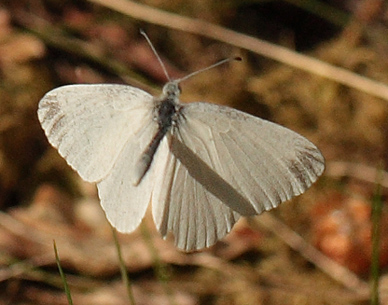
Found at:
[314, 249]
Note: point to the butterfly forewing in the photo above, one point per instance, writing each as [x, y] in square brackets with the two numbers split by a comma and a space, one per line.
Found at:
[90, 124]
[264, 162]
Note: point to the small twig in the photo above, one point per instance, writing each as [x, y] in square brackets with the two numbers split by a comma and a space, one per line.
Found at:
[356, 170]
[20, 268]
[275, 52]
[19, 229]
[330, 267]
[57, 37]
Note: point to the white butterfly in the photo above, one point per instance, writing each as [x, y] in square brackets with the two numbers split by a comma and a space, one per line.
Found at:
[201, 165]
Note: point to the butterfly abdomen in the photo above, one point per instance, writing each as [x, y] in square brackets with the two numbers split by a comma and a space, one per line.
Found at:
[165, 115]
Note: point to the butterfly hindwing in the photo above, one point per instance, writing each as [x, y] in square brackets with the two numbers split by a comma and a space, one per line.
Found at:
[124, 203]
[182, 205]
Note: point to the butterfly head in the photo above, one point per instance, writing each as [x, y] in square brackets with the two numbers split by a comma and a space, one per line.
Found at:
[172, 88]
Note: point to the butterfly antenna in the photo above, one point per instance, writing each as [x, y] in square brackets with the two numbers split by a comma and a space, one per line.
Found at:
[156, 54]
[210, 67]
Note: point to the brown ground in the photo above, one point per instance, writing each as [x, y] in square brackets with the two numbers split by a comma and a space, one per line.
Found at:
[44, 44]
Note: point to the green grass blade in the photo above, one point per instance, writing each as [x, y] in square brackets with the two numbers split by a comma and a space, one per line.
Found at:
[67, 290]
[160, 269]
[123, 269]
[377, 206]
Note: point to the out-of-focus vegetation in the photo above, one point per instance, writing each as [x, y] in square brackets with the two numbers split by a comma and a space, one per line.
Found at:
[48, 43]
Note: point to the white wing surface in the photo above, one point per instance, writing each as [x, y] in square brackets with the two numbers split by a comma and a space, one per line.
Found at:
[184, 205]
[90, 124]
[124, 203]
[265, 162]
[224, 160]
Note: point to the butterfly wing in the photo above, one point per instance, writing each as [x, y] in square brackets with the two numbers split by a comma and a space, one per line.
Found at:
[124, 203]
[225, 161]
[182, 204]
[90, 124]
[101, 131]
[265, 162]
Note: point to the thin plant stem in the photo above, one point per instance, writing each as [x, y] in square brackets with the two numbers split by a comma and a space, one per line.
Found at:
[67, 290]
[123, 269]
[377, 207]
[161, 271]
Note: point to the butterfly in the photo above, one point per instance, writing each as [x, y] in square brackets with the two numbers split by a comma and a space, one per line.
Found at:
[202, 166]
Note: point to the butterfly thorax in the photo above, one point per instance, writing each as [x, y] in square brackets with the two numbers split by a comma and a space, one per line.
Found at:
[168, 106]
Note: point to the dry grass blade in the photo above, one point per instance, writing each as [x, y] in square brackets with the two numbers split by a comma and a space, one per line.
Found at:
[330, 267]
[281, 54]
